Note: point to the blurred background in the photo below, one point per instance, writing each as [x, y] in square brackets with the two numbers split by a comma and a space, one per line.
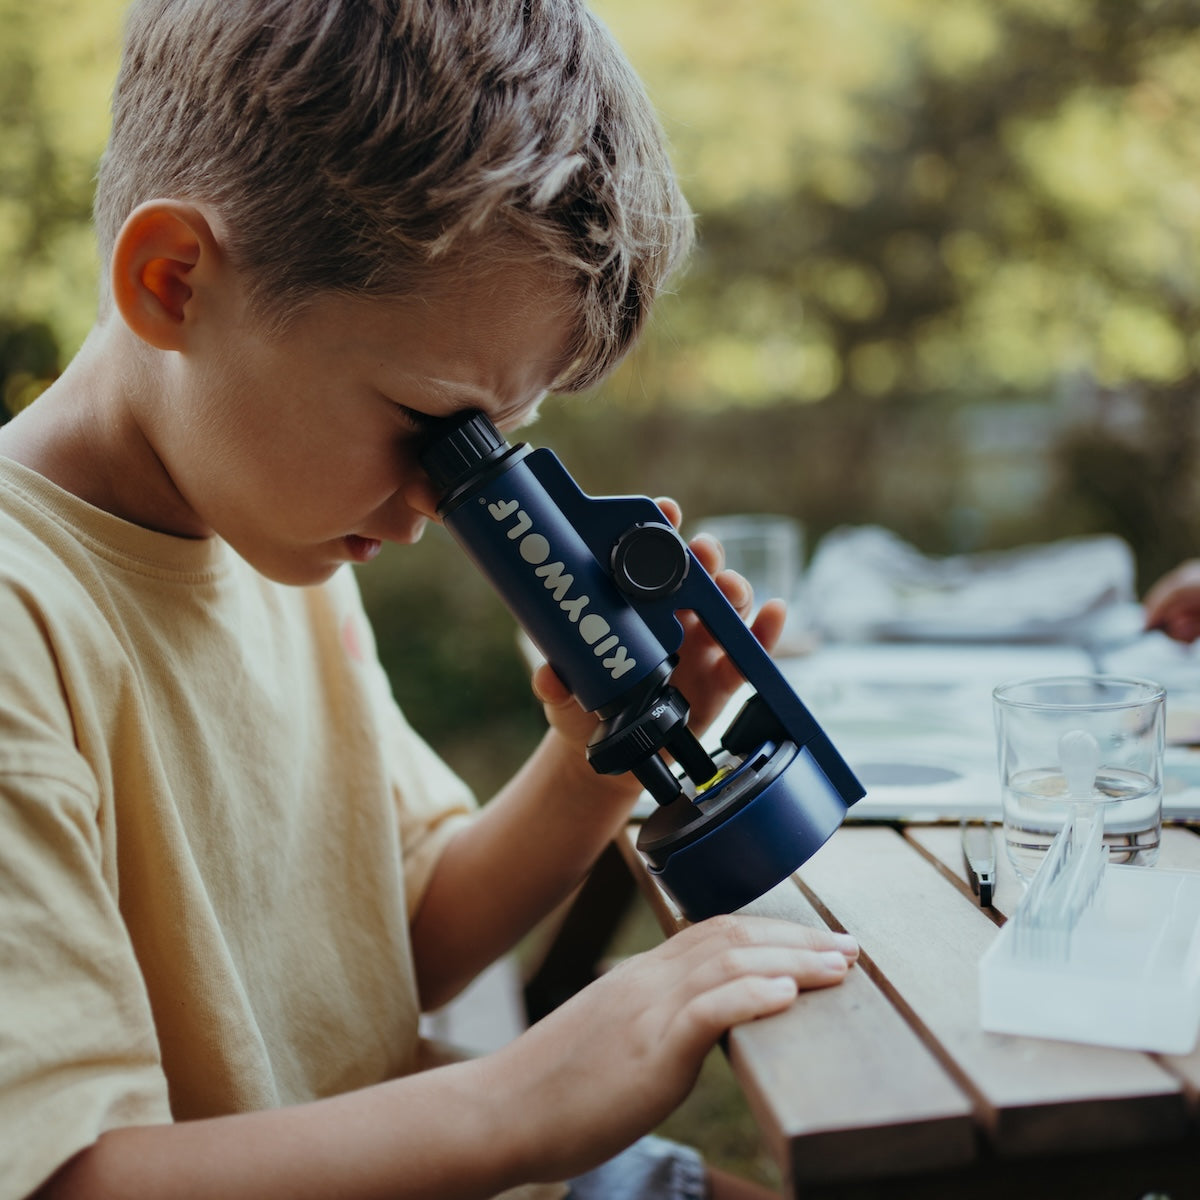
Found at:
[947, 282]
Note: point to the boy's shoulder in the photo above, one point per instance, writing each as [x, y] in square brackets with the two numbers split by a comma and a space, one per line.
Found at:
[49, 536]
[33, 521]
[70, 575]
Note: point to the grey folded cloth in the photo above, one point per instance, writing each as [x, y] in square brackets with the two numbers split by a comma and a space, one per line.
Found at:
[866, 583]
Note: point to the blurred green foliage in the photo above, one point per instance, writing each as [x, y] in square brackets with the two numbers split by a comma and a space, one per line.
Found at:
[57, 64]
[898, 197]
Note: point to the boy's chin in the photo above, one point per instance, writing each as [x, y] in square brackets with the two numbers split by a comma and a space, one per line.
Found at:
[297, 570]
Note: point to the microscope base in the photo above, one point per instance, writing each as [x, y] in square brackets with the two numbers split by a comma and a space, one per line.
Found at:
[772, 813]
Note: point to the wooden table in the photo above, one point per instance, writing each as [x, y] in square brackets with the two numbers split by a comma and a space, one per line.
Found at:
[887, 1086]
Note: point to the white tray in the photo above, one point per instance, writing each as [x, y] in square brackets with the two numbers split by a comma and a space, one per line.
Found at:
[1131, 978]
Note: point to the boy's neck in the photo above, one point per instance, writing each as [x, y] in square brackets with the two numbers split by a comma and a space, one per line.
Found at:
[83, 434]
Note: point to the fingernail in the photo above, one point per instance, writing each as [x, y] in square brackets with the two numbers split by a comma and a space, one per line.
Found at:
[846, 943]
[833, 960]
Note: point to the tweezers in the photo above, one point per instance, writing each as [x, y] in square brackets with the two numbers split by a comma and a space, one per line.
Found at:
[979, 860]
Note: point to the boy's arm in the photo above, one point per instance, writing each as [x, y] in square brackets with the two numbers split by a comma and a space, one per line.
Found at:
[524, 853]
[637, 1036]
[431, 1135]
[532, 845]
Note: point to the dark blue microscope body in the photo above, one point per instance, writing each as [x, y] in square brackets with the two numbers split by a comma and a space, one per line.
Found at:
[596, 584]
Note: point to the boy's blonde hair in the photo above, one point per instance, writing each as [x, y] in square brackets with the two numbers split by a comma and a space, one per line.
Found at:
[352, 146]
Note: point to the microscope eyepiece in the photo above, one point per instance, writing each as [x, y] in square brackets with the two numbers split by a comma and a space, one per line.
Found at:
[455, 452]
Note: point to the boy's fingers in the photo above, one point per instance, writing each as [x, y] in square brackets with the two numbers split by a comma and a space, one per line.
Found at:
[808, 968]
[708, 1015]
[547, 686]
[709, 552]
[768, 623]
[741, 968]
[737, 590]
[671, 510]
[715, 934]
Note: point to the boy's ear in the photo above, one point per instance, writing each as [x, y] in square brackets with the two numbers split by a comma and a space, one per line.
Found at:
[160, 253]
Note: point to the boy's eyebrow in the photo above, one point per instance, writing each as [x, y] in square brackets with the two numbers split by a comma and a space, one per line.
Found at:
[459, 396]
[455, 395]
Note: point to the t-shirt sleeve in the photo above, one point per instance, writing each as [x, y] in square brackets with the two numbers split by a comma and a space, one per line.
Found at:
[78, 1051]
[433, 805]
[432, 802]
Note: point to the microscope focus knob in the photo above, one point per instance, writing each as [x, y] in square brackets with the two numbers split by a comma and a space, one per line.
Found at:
[649, 561]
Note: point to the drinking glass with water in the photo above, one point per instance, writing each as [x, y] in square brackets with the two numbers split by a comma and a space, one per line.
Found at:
[1088, 745]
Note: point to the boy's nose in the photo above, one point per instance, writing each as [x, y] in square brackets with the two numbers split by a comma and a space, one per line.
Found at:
[408, 530]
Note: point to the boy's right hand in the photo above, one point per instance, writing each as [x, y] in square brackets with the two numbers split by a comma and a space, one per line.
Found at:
[705, 674]
[612, 1062]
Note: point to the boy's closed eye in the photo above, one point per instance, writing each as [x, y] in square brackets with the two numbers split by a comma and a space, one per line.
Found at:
[417, 421]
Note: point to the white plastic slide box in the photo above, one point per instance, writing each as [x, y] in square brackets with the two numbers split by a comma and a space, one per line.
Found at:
[1131, 977]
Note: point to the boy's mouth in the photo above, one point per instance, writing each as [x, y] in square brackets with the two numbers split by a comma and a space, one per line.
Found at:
[362, 549]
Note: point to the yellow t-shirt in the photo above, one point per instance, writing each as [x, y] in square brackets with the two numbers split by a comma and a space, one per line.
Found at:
[214, 823]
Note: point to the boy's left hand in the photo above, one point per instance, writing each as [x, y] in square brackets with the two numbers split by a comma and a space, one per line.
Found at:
[706, 676]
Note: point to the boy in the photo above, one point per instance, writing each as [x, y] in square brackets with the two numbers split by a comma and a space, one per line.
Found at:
[230, 873]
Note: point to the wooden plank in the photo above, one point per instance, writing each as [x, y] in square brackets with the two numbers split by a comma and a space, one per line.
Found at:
[843, 1083]
[839, 1083]
[1180, 852]
[922, 940]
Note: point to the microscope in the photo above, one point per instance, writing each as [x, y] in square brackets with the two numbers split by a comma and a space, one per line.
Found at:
[596, 583]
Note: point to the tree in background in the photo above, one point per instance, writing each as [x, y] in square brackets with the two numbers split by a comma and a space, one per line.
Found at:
[941, 205]
[57, 59]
